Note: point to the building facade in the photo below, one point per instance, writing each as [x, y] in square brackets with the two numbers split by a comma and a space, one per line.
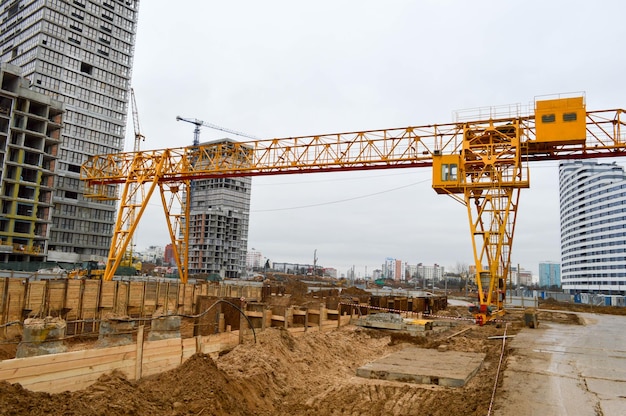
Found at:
[593, 224]
[80, 53]
[549, 274]
[218, 225]
[434, 273]
[30, 136]
[254, 260]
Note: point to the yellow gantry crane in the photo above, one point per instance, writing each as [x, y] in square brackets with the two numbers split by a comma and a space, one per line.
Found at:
[481, 163]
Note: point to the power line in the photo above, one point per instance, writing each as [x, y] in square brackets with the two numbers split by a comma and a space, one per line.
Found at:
[341, 200]
[336, 178]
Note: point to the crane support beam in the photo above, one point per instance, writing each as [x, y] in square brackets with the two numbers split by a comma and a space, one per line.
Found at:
[481, 163]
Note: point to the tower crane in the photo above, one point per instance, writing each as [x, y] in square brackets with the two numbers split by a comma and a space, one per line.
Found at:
[482, 163]
[200, 123]
[135, 187]
[138, 136]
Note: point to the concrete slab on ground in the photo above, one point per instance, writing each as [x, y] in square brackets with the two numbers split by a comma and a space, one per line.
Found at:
[425, 366]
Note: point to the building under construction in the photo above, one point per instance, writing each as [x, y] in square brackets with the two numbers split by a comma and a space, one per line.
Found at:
[79, 53]
[30, 135]
[218, 226]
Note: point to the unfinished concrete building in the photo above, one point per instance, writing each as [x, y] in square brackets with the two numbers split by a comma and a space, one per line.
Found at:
[218, 226]
[30, 135]
[80, 53]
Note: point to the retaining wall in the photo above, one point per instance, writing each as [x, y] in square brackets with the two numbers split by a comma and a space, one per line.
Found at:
[77, 370]
[82, 303]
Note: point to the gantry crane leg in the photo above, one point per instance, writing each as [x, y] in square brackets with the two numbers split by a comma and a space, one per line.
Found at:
[177, 225]
[128, 216]
[492, 224]
[133, 203]
[493, 175]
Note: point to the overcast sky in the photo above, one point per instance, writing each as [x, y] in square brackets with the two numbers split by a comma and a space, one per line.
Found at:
[290, 68]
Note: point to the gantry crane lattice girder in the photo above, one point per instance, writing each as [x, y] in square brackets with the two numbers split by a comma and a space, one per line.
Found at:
[481, 163]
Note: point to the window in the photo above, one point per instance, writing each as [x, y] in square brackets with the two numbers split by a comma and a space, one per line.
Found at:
[449, 172]
[548, 118]
[569, 116]
[85, 68]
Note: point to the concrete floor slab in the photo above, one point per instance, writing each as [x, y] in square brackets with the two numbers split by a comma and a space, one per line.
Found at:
[425, 366]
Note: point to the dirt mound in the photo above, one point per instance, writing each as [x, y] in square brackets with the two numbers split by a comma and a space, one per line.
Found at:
[312, 374]
[551, 303]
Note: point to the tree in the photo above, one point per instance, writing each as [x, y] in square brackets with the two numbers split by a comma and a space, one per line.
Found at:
[462, 269]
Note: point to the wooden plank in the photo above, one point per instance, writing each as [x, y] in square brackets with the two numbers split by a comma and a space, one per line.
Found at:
[254, 314]
[77, 369]
[77, 382]
[121, 299]
[189, 348]
[161, 348]
[72, 299]
[150, 355]
[156, 367]
[139, 355]
[107, 296]
[35, 297]
[91, 296]
[56, 294]
[162, 343]
[15, 299]
[65, 356]
[135, 297]
[26, 367]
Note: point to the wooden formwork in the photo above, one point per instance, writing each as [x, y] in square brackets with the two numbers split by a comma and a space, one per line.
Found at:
[70, 371]
[82, 303]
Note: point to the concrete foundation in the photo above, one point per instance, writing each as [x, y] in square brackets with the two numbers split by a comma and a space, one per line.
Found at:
[42, 337]
[115, 332]
[395, 322]
[425, 366]
[164, 327]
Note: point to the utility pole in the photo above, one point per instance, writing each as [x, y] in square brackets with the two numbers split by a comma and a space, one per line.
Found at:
[315, 262]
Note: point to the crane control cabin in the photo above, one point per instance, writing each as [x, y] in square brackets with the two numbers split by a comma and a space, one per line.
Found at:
[481, 163]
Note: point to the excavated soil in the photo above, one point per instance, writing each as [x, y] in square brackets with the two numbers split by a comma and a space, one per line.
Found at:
[313, 374]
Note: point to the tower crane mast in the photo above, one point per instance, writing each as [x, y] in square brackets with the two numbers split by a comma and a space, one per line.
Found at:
[138, 136]
[482, 163]
[135, 187]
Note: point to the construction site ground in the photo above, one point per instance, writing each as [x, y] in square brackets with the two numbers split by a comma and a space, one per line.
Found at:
[315, 374]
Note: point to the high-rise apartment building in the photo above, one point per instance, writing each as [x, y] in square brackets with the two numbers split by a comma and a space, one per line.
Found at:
[549, 274]
[30, 135]
[79, 52]
[218, 225]
[593, 226]
[254, 260]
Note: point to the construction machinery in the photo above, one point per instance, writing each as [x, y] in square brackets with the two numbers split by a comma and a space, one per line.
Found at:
[87, 270]
[481, 162]
[200, 123]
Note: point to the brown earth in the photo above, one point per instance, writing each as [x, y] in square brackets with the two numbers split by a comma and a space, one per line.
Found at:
[579, 307]
[313, 374]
